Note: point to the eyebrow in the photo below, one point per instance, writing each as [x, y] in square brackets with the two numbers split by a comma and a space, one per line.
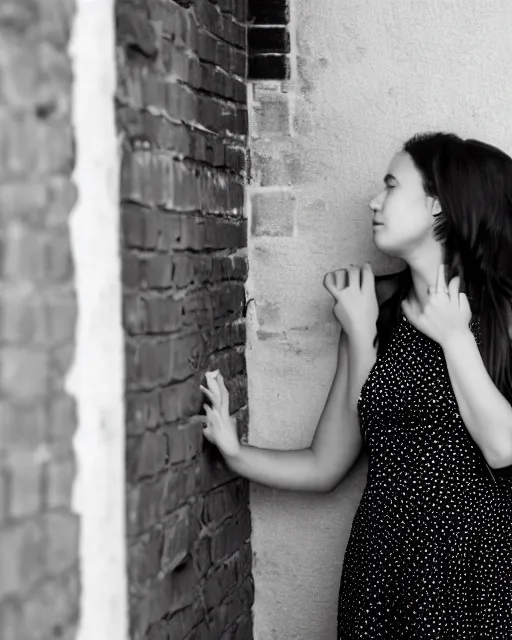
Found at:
[388, 177]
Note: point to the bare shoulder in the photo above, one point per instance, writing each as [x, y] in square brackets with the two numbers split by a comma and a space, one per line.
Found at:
[386, 285]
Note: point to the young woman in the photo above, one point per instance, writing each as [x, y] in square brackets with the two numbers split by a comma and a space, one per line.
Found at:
[424, 384]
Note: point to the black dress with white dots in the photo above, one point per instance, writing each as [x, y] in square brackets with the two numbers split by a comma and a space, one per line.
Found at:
[430, 550]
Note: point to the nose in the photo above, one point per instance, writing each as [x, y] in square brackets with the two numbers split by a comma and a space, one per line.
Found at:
[376, 202]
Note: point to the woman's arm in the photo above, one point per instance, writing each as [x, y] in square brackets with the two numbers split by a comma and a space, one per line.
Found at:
[485, 412]
[320, 467]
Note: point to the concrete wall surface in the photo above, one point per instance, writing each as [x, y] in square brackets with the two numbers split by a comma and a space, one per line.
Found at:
[365, 76]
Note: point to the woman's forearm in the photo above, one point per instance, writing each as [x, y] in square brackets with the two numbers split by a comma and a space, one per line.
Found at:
[294, 470]
[484, 410]
[335, 445]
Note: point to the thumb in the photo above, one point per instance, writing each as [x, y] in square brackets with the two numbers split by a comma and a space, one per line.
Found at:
[465, 307]
[330, 284]
[410, 312]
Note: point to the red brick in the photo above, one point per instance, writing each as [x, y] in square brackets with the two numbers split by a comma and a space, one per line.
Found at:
[49, 608]
[144, 560]
[60, 360]
[221, 503]
[158, 271]
[145, 504]
[55, 20]
[62, 195]
[131, 270]
[24, 373]
[185, 441]
[61, 532]
[4, 485]
[22, 557]
[180, 484]
[183, 621]
[133, 225]
[186, 188]
[59, 478]
[178, 539]
[152, 454]
[62, 417]
[142, 411]
[134, 30]
[226, 577]
[231, 537]
[187, 356]
[22, 317]
[11, 620]
[135, 319]
[214, 471]
[181, 400]
[273, 214]
[55, 139]
[61, 315]
[25, 490]
[23, 201]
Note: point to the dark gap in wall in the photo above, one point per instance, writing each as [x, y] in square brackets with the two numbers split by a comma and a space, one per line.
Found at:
[268, 40]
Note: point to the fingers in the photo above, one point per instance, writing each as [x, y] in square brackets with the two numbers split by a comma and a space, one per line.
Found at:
[464, 304]
[330, 284]
[368, 278]
[441, 278]
[454, 287]
[335, 282]
[207, 393]
[340, 278]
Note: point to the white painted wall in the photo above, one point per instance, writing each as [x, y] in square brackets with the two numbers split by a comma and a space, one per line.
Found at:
[369, 74]
[97, 376]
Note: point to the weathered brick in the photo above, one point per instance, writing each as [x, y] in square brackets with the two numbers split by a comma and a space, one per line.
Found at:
[142, 411]
[178, 539]
[25, 490]
[22, 557]
[231, 537]
[144, 560]
[135, 319]
[59, 476]
[24, 372]
[183, 621]
[179, 298]
[226, 577]
[61, 532]
[51, 606]
[184, 441]
[180, 484]
[152, 454]
[180, 400]
[62, 417]
[23, 427]
[134, 30]
[145, 503]
[11, 620]
[220, 503]
[273, 213]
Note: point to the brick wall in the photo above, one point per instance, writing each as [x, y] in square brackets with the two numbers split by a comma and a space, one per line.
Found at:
[182, 121]
[39, 578]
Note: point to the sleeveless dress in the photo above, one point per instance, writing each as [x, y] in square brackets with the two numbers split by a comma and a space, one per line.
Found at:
[430, 549]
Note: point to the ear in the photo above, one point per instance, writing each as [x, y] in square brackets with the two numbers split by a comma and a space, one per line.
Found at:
[436, 207]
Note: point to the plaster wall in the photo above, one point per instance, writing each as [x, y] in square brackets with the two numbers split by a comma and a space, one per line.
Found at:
[365, 76]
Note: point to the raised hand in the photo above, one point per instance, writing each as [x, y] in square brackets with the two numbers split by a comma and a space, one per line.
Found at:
[220, 427]
[446, 313]
[355, 302]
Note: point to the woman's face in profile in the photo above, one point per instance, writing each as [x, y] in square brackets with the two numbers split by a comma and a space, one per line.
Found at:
[402, 211]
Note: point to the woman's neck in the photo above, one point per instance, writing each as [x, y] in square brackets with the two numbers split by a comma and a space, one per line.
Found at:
[424, 273]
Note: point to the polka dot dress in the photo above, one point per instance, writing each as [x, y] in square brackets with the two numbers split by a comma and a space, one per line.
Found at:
[430, 550]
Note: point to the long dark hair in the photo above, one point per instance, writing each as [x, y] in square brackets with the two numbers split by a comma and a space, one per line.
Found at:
[473, 182]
